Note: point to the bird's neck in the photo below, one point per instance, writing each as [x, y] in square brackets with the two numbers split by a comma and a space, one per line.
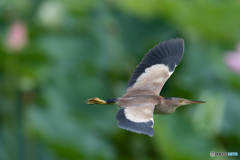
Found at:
[165, 106]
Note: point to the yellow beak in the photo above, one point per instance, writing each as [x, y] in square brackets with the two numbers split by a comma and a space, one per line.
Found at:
[193, 102]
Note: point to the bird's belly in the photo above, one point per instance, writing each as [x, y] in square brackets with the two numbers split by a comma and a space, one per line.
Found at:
[164, 110]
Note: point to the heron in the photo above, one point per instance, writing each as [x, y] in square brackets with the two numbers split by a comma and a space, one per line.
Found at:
[142, 99]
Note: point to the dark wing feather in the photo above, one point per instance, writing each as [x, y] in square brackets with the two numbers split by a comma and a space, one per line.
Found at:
[137, 118]
[162, 58]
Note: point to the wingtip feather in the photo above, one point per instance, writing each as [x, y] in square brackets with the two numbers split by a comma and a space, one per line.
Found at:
[138, 127]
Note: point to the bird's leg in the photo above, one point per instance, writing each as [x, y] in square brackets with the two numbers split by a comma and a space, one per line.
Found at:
[95, 100]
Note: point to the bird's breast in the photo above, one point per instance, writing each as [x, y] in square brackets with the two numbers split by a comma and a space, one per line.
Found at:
[164, 109]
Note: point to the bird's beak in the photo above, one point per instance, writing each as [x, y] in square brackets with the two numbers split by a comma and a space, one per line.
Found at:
[193, 102]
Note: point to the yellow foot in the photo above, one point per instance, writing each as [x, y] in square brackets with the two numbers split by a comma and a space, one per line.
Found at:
[95, 100]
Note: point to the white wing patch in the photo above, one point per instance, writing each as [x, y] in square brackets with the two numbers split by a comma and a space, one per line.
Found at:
[155, 74]
[143, 113]
[153, 78]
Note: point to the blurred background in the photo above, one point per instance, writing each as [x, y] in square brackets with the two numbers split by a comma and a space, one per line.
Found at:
[56, 54]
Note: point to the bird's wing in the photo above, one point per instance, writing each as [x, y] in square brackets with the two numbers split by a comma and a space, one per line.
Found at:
[137, 118]
[156, 67]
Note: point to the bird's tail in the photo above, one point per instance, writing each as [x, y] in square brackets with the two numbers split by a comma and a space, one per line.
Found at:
[96, 100]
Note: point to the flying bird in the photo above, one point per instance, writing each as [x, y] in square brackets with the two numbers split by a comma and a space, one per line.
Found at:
[142, 99]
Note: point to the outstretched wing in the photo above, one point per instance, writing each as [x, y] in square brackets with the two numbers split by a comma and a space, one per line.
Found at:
[156, 67]
[137, 118]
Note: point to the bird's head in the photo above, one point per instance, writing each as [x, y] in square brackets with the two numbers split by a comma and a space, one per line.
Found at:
[175, 101]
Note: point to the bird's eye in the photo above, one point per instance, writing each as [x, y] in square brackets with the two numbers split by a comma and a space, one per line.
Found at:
[180, 101]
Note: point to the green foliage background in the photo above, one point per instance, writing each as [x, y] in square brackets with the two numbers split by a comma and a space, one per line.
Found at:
[81, 49]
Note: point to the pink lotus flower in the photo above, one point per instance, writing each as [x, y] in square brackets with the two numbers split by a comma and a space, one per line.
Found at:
[232, 60]
[16, 37]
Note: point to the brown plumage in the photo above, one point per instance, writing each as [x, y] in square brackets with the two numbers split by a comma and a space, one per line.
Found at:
[142, 99]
